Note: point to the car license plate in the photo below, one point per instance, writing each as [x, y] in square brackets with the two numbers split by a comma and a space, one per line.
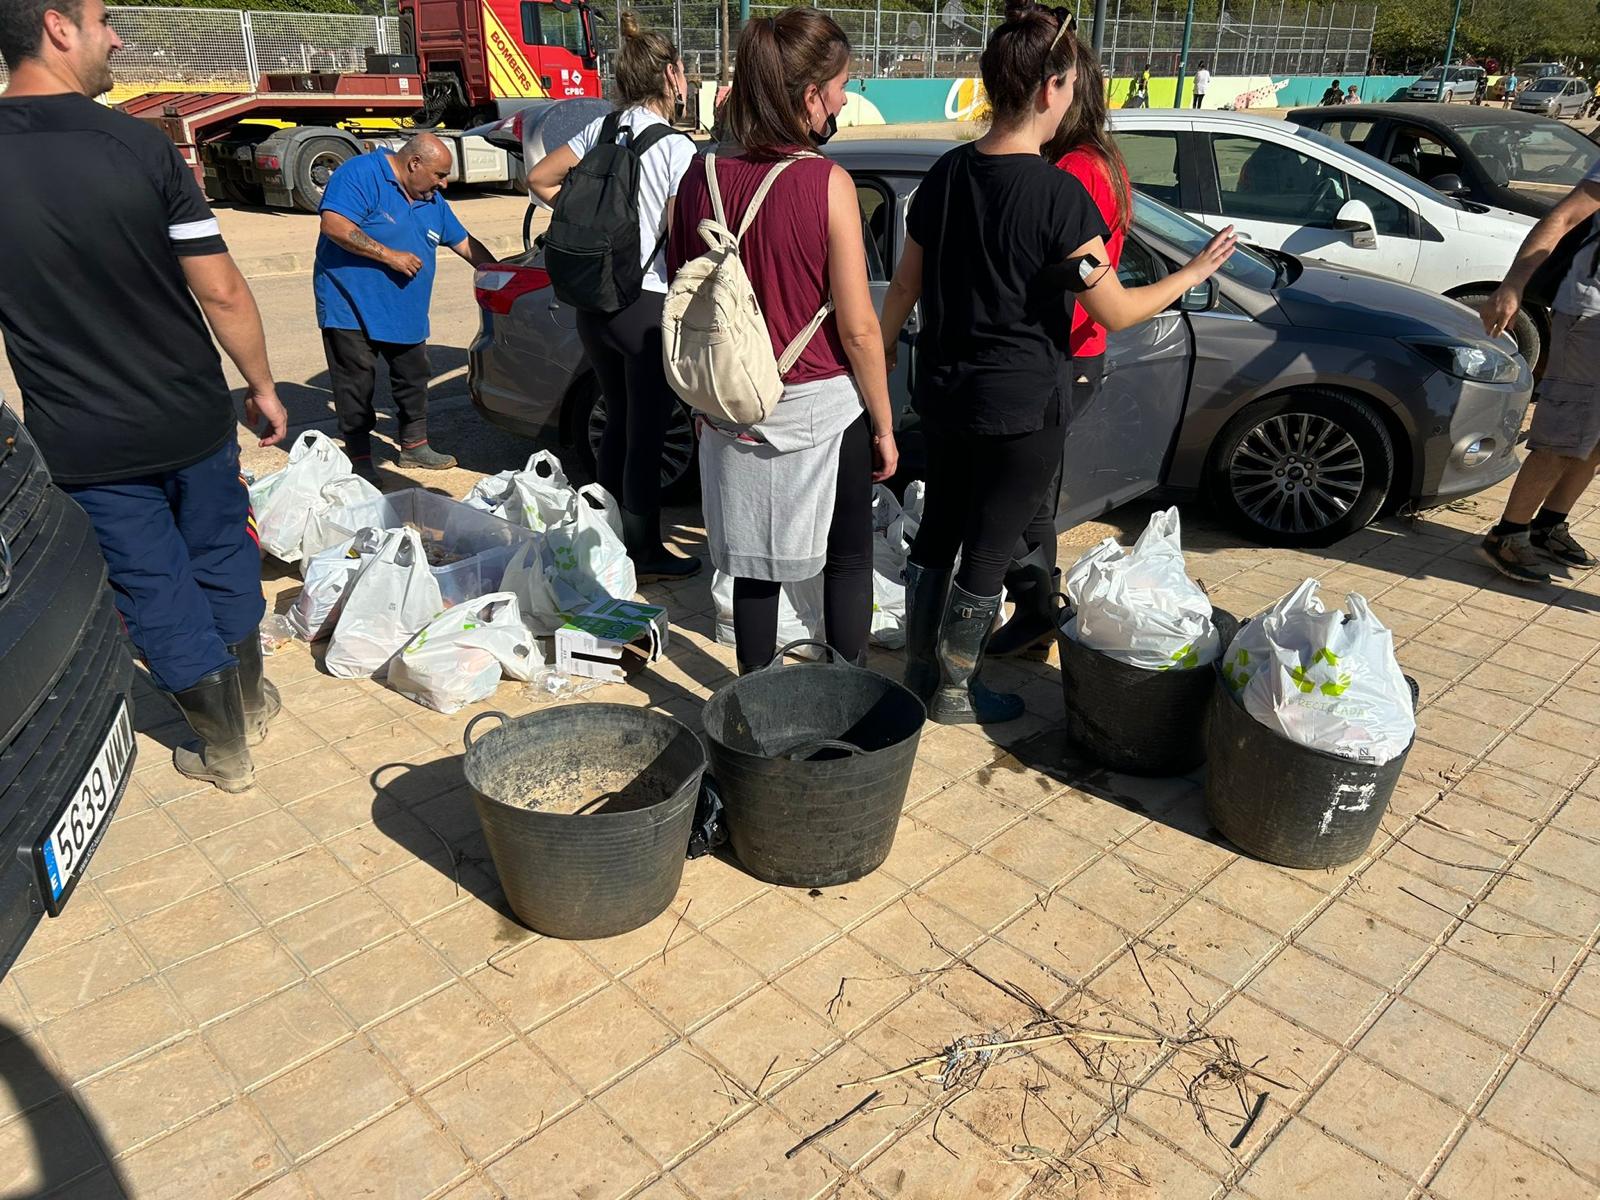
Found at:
[72, 837]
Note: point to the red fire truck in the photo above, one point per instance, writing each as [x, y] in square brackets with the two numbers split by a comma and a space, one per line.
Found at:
[462, 63]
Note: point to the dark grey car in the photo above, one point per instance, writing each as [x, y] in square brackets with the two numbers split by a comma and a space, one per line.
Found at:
[1300, 398]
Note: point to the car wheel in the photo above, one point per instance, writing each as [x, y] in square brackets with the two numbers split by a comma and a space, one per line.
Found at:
[1304, 469]
[1524, 329]
[680, 459]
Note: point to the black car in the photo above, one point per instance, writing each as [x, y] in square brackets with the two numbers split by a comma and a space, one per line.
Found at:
[66, 704]
[1496, 156]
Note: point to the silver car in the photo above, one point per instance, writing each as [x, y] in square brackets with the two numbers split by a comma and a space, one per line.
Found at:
[1301, 398]
[1450, 84]
[1554, 96]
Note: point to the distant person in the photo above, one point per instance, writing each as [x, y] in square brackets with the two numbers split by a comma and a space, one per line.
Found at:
[1334, 95]
[1510, 88]
[116, 279]
[1141, 88]
[1351, 96]
[1202, 82]
[1564, 436]
[384, 217]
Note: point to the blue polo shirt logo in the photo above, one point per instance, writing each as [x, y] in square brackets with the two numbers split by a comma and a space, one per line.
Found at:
[353, 292]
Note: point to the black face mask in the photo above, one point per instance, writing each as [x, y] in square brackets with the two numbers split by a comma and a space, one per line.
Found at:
[828, 130]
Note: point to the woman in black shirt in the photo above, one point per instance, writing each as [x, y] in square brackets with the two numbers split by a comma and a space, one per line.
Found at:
[999, 243]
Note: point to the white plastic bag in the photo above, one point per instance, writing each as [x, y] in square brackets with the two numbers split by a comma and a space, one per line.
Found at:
[541, 498]
[460, 656]
[572, 565]
[1140, 606]
[328, 576]
[329, 516]
[284, 500]
[799, 611]
[889, 548]
[393, 597]
[1328, 680]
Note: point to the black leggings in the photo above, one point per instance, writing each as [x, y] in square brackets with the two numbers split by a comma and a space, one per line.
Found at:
[1087, 376]
[982, 491]
[625, 349]
[846, 577]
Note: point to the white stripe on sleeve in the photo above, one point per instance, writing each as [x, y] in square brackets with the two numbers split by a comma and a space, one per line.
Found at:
[189, 231]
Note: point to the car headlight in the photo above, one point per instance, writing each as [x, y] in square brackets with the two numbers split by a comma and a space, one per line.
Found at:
[1477, 361]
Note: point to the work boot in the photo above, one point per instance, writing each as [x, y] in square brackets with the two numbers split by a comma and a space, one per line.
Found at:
[1032, 586]
[961, 699]
[214, 708]
[261, 700]
[426, 458]
[652, 561]
[925, 593]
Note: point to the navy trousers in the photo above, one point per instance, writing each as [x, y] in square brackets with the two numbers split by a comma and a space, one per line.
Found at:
[184, 561]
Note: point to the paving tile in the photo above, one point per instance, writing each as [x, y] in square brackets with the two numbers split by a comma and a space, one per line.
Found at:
[846, 984]
[322, 1100]
[1569, 1040]
[277, 1033]
[1306, 1163]
[422, 889]
[1363, 944]
[335, 929]
[1490, 1005]
[982, 891]
[102, 1034]
[306, 775]
[384, 979]
[846, 905]
[343, 808]
[1213, 940]
[401, 1155]
[1570, 858]
[80, 974]
[1456, 732]
[694, 979]
[917, 934]
[469, 934]
[1551, 764]
[673, 1102]
[1261, 893]
[1487, 1165]
[231, 976]
[156, 882]
[134, 836]
[1041, 851]
[1499, 710]
[192, 926]
[771, 932]
[255, 843]
[159, 1092]
[1423, 1049]
[1128, 897]
[916, 1168]
[969, 814]
[920, 1026]
[1019, 783]
[294, 884]
[27, 1077]
[501, 1099]
[749, 1160]
[220, 1156]
[1508, 790]
[919, 851]
[1381, 1116]
[817, 1098]
[604, 1037]
[51, 1147]
[85, 916]
[765, 1040]
[1160, 990]
[213, 810]
[1544, 1110]
[1279, 1049]
[624, 952]
[440, 1034]
[1065, 937]
[1549, 903]
[532, 983]
[580, 1156]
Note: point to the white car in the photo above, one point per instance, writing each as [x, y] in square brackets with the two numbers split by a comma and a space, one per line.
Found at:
[1285, 187]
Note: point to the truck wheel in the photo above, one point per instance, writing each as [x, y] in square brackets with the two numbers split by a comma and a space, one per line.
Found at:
[318, 159]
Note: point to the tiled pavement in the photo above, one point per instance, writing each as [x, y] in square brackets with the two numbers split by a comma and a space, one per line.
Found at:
[313, 989]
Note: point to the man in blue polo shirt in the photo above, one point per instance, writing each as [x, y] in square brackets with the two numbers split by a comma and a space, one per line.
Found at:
[384, 217]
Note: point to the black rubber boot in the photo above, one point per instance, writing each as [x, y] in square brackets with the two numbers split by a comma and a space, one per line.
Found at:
[652, 561]
[261, 700]
[214, 708]
[925, 593]
[1032, 586]
[960, 698]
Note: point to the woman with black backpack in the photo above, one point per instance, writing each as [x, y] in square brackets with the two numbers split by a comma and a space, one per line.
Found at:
[606, 255]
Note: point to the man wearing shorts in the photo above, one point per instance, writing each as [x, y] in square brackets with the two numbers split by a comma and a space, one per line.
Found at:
[1564, 437]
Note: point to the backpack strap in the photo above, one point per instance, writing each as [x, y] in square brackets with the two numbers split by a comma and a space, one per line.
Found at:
[793, 351]
[760, 197]
[609, 128]
[641, 144]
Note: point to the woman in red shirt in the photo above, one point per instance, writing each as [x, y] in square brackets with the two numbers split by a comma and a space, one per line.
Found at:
[1084, 148]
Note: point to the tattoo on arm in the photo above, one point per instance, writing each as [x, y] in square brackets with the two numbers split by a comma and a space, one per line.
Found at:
[359, 241]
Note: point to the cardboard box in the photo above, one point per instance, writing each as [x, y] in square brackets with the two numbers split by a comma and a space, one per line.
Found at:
[611, 637]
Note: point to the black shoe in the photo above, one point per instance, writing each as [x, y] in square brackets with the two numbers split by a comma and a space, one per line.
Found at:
[1557, 541]
[652, 561]
[214, 708]
[1032, 585]
[424, 457]
[261, 699]
[363, 469]
[1513, 555]
[961, 699]
[925, 594]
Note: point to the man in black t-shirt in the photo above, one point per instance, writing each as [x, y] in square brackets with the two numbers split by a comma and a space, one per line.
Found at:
[108, 246]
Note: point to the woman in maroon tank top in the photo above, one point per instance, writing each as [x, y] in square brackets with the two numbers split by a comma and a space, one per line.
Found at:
[791, 497]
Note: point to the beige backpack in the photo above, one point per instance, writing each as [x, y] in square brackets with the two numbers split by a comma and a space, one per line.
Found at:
[714, 340]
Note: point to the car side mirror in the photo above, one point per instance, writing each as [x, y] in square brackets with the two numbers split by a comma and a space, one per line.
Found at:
[1450, 185]
[1356, 219]
[1202, 297]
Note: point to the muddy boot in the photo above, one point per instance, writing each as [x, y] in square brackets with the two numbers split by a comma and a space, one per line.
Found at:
[261, 701]
[960, 698]
[1032, 586]
[925, 593]
[652, 561]
[214, 708]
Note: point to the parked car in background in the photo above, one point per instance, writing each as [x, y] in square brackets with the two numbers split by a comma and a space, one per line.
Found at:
[1528, 72]
[1288, 187]
[66, 708]
[1450, 84]
[1555, 96]
[1300, 397]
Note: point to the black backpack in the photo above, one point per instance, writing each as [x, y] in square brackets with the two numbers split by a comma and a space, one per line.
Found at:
[591, 250]
[1548, 277]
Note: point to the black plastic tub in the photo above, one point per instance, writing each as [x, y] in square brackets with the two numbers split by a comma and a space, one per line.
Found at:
[812, 761]
[613, 865]
[1132, 719]
[1286, 803]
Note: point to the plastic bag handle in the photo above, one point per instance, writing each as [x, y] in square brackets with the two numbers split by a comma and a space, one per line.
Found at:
[806, 749]
[833, 655]
[466, 734]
